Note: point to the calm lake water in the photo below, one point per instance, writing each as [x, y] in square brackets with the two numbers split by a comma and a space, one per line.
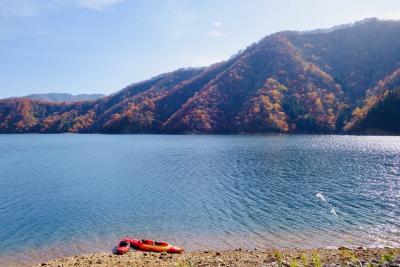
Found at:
[72, 194]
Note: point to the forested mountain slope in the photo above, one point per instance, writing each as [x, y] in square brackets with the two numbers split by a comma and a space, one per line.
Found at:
[324, 81]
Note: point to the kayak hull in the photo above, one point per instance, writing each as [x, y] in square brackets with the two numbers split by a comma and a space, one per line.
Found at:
[123, 246]
[154, 246]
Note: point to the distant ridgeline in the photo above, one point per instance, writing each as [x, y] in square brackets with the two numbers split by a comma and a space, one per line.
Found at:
[62, 97]
[340, 80]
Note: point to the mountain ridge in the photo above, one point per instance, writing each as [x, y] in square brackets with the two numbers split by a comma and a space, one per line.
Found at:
[292, 82]
[62, 97]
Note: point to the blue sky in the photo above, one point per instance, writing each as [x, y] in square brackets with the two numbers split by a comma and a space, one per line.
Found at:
[100, 46]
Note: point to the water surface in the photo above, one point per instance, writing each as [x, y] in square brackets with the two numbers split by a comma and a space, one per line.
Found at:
[71, 194]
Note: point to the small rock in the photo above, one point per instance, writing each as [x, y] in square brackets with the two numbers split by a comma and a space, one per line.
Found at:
[217, 254]
[43, 264]
[342, 248]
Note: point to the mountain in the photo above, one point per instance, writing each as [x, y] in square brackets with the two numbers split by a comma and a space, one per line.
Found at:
[64, 97]
[323, 81]
[383, 117]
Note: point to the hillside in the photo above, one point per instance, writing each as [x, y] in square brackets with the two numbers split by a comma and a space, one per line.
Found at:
[64, 97]
[383, 117]
[323, 81]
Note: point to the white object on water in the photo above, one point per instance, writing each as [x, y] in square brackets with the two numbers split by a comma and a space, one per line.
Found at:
[333, 211]
[321, 196]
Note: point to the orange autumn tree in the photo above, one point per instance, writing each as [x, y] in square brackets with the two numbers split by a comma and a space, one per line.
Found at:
[263, 111]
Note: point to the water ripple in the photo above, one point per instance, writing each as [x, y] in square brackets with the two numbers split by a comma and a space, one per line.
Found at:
[61, 193]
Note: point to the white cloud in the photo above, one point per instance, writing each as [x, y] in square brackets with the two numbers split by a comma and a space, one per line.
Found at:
[28, 8]
[217, 24]
[99, 4]
[216, 29]
[214, 33]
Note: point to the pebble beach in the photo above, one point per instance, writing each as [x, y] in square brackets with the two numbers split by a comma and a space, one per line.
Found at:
[240, 257]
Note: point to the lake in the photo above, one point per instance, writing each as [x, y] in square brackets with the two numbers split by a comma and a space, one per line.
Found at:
[70, 194]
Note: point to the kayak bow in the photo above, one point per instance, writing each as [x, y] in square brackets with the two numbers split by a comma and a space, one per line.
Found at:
[123, 246]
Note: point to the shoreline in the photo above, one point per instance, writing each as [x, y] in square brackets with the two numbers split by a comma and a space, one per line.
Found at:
[240, 257]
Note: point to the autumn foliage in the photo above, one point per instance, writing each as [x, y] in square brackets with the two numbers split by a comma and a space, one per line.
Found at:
[329, 81]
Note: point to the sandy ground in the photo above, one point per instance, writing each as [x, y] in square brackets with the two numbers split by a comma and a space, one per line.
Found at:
[241, 257]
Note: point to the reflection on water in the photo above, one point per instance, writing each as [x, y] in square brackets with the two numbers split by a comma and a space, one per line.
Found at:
[68, 194]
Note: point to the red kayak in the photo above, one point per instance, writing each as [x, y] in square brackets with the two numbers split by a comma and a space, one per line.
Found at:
[123, 246]
[155, 246]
